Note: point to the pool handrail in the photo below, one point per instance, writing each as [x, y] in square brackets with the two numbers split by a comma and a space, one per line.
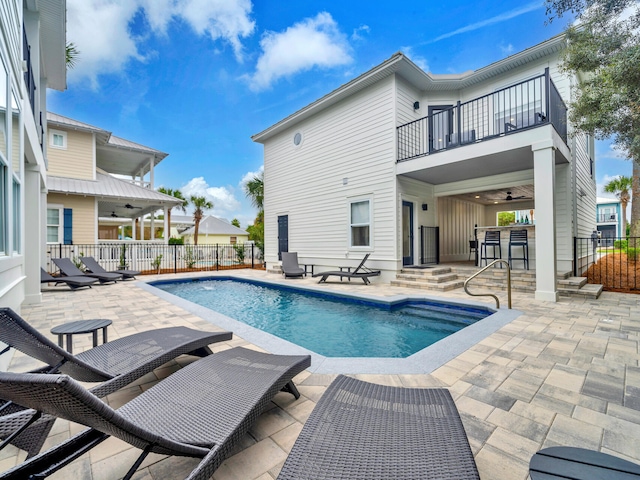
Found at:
[466, 283]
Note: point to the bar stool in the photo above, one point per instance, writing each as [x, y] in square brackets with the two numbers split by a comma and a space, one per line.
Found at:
[518, 238]
[491, 239]
[473, 247]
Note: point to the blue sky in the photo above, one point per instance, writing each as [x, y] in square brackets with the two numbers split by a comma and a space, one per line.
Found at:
[197, 78]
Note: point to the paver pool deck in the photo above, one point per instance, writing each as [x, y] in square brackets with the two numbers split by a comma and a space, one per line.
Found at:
[564, 373]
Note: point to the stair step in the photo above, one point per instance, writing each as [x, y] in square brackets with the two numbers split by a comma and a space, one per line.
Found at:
[433, 279]
[442, 287]
[589, 290]
[574, 283]
[426, 272]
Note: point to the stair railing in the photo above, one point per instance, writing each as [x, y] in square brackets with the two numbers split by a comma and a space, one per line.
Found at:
[466, 283]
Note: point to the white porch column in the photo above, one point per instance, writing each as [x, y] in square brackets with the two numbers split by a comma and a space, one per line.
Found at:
[133, 229]
[151, 162]
[167, 227]
[35, 201]
[545, 184]
[141, 227]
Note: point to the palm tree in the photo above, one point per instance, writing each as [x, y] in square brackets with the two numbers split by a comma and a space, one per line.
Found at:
[176, 194]
[71, 54]
[200, 204]
[620, 186]
[254, 189]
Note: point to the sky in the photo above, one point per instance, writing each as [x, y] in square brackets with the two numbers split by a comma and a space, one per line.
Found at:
[197, 78]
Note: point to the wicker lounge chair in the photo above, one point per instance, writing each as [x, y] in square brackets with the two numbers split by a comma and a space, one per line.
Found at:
[95, 267]
[363, 430]
[115, 364]
[72, 282]
[359, 272]
[68, 268]
[290, 266]
[202, 410]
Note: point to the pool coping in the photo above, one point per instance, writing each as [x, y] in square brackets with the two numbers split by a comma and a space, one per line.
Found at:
[422, 362]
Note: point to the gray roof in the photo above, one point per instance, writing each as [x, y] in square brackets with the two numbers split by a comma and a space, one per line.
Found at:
[211, 225]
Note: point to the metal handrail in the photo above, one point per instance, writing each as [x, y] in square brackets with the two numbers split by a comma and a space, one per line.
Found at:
[466, 282]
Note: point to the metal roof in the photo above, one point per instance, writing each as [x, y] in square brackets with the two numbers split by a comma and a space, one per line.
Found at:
[116, 197]
[211, 225]
[400, 64]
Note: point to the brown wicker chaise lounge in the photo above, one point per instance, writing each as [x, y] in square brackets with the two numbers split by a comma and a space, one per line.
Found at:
[202, 410]
[68, 268]
[359, 272]
[72, 282]
[95, 267]
[115, 364]
[375, 432]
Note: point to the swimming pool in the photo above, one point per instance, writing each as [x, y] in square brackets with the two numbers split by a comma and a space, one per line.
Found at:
[330, 325]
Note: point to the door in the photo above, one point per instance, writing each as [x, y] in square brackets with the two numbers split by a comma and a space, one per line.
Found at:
[407, 233]
[440, 127]
[283, 235]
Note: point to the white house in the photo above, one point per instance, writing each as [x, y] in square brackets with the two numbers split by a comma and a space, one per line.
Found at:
[377, 164]
[32, 57]
[213, 230]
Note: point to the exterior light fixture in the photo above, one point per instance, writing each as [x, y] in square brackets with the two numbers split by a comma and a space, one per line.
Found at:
[477, 196]
[416, 105]
[425, 207]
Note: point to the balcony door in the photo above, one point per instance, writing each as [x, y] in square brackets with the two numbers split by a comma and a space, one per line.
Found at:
[440, 127]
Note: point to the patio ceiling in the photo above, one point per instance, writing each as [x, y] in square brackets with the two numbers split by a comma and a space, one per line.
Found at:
[520, 193]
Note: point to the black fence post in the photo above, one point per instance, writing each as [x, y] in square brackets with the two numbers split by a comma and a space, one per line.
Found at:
[175, 258]
[252, 257]
[575, 256]
[217, 259]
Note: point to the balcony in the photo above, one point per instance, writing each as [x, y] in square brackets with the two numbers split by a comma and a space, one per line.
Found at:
[607, 218]
[519, 107]
[29, 79]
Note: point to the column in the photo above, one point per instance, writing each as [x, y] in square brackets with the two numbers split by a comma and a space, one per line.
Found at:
[133, 229]
[35, 201]
[167, 227]
[544, 169]
[151, 162]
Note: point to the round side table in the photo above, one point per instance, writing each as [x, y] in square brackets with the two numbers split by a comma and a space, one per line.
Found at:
[81, 326]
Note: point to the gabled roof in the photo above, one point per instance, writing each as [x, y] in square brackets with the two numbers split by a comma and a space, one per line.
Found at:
[601, 201]
[57, 120]
[400, 64]
[211, 225]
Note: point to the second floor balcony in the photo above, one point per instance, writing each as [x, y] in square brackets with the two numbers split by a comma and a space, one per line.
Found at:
[529, 104]
[607, 218]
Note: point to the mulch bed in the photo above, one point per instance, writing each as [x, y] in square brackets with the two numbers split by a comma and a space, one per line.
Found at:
[616, 273]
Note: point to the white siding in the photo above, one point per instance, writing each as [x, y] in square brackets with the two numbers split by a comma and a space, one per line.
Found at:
[352, 140]
[457, 220]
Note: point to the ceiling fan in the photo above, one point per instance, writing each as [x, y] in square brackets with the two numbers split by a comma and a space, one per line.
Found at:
[113, 214]
[128, 205]
[509, 197]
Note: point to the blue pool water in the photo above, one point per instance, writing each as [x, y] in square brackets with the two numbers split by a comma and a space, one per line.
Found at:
[331, 325]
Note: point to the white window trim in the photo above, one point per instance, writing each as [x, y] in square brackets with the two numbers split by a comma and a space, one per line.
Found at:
[52, 133]
[350, 201]
[60, 208]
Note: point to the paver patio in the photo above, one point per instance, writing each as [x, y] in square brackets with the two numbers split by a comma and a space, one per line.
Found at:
[563, 373]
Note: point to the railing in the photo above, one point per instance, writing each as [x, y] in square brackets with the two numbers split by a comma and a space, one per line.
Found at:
[141, 183]
[512, 109]
[29, 79]
[613, 262]
[495, 297]
[429, 245]
[151, 258]
[607, 217]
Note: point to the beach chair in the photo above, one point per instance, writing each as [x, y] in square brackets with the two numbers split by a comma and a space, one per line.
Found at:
[203, 410]
[114, 364]
[360, 271]
[68, 268]
[362, 430]
[95, 267]
[290, 266]
[72, 282]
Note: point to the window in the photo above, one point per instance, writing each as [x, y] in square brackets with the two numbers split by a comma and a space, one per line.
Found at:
[58, 139]
[54, 225]
[360, 223]
[233, 240]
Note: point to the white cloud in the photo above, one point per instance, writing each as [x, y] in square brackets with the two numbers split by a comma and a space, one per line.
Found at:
[506, 49]
[224, 201]
[250, 176]
[313, 42]
[100, 29]
[356, 35]
[415, 58]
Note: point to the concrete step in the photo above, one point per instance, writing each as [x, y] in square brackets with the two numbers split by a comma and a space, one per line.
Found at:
[447, 277]
[573, 283]
[441, 287]
[426, 272]
[589, 290]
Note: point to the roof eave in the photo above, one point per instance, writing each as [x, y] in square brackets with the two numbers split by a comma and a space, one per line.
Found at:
[53, 39]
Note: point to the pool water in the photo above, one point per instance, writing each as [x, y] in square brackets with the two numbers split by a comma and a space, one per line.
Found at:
[331, 325]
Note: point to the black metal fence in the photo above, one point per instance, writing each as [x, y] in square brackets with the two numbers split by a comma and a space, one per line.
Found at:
[527, 104]
[613, 262]
[429, 245]
[152, 258]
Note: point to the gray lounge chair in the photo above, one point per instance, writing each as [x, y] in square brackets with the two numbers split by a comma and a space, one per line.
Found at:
[68, 268]
[115, 364]
[290, 266]
[375, 432]
[203, 410]
[95, 267]
[72, 282]
[360, 271]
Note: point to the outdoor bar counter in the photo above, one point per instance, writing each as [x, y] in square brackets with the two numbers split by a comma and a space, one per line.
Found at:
[504, 243]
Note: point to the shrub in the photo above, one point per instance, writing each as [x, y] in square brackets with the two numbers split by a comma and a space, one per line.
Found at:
[156, 263]
[176, 241]
[621, 244]
[632, 254]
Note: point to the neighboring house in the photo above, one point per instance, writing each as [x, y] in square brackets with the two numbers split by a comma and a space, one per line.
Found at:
[83, 160]
[213, 230]
[609, 218]
[377, 164]
[180, 223]
[32, 59]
